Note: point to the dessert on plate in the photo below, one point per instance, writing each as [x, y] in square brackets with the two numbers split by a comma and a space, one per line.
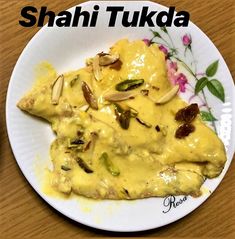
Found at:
[122, 132]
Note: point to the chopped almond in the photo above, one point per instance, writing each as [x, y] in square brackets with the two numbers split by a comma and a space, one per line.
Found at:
[57, 90]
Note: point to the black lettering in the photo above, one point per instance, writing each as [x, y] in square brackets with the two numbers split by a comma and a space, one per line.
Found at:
[168, 15]
[25, 14]
[96, 7]
[177, 204]
[147, 17]
[64, 19]
[113, 16]
[168, 202]
[182, 19]
[78, 13]
[94, 16]
[132, 22]
[42, 16]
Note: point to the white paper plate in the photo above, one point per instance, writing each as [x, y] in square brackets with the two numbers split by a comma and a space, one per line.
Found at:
[66, 49]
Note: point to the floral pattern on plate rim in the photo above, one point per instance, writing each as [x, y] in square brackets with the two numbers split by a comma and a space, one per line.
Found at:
[202, 79]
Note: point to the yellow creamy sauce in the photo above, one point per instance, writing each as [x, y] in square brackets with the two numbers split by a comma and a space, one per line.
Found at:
[150, 163]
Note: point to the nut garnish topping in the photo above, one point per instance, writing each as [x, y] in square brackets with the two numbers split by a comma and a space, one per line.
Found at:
[146, 124]
[120, 96]
[108, 59]
[129, 84]
[89, 96]
[116, 65]
[83, 165]
[84, 108]
[123, 115]
[57, 89]
[168, 96]
[96, 68]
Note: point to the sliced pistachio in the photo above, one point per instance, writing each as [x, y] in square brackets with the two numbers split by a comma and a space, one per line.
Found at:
[124, 119]
[89, 96]
[82, 164]
[143, 122]
[107, 59]
[69, 145]
[123, 116]
[109, 164]
[121, 106]
[134, 112]
[73, 81]
[96, 68]
[129, 84]
[120, 96]
[65, 168]
[168, 96]
[75, 143]
[57, 89]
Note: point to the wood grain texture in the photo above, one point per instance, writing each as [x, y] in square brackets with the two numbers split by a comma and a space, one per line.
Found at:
[23, 214]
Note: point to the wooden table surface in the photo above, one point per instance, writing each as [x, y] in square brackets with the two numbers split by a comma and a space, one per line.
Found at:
[23, 214]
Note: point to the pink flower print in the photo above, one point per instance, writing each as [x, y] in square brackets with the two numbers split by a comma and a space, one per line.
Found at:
[146, 41]
[181, 80]
[171, 70]
[173, 65]
[174, 77]
[187, 40]
[163, 49]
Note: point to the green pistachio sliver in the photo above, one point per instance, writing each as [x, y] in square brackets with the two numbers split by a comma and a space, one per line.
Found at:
[74, 81]
[124, 119]
[134, 112]
[123, 116]
[118, 108]
[69, 145]
[65, 168]
[109, 164]
[129, 84]
[75, 143]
